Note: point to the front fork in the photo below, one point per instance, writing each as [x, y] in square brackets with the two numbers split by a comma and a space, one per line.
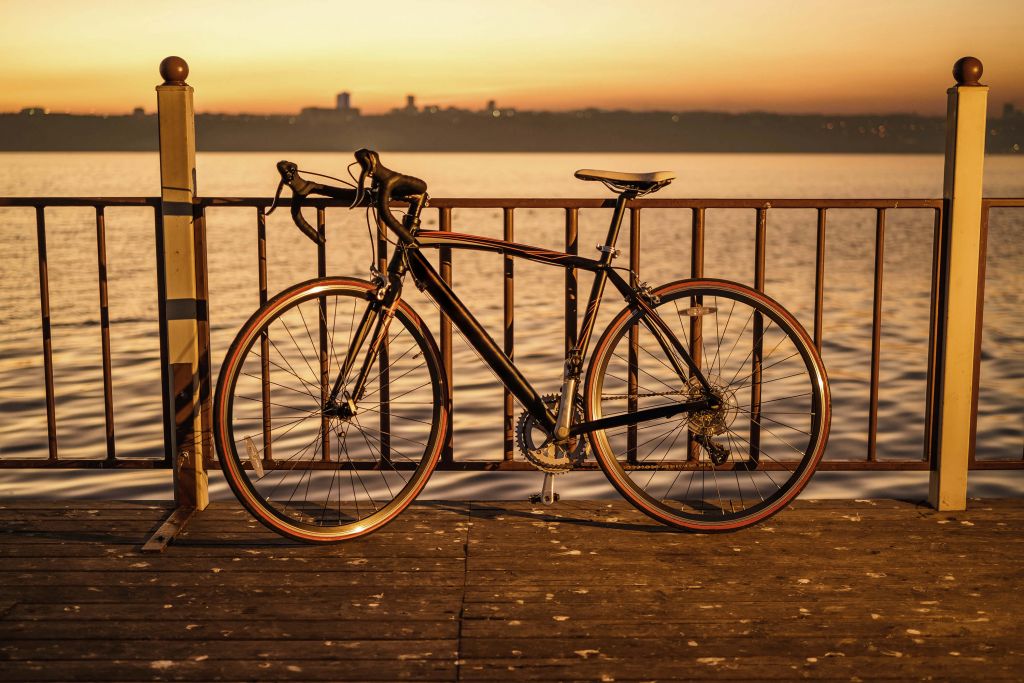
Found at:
[373, 328]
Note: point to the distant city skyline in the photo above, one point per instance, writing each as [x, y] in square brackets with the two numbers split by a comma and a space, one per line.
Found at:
[271, 57]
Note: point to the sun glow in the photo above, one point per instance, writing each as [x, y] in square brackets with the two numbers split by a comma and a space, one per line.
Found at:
[736, 55]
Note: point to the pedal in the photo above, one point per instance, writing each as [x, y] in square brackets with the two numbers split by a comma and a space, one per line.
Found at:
[547, 493]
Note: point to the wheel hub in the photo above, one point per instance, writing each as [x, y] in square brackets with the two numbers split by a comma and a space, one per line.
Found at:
[718, 418]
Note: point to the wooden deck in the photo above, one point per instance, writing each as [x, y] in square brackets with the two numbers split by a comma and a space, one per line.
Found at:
[473, 591]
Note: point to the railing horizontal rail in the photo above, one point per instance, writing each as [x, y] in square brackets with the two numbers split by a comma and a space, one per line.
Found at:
[519, 203]
[761, 208]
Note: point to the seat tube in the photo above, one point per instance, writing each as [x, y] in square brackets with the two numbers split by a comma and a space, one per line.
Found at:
[608, 253]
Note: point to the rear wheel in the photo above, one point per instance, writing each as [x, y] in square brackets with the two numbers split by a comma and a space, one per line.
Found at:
[718, 469]
[317, 475]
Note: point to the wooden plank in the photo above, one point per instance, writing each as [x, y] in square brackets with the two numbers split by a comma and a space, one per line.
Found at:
[493, 591]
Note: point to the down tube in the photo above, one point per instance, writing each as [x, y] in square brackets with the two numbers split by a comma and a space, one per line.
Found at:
[478, 338]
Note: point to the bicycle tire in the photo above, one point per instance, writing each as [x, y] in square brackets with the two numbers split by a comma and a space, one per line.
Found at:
[737, 471]
[278, 450]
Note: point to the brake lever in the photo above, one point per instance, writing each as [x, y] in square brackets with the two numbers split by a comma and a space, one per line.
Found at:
[277, 197]
[361, 190]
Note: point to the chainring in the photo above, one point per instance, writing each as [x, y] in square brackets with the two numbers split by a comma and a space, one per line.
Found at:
[547, 456]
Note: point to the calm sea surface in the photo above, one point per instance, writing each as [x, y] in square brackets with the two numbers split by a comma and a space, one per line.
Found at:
[71, 245]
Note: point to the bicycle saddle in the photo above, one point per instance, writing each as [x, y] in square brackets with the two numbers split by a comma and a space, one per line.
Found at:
[643, 183]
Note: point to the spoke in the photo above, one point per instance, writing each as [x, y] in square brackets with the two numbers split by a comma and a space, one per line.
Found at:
[379, 458]
[276, 384]
[799, 373]
[764, 368]
[296, 344]
[781, 424]
[397, 436]
[279, 405]
[290, 370]
[672, 483]
[721, 335]
[739, 336]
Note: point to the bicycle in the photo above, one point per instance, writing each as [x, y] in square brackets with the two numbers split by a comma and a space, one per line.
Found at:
[704, 401]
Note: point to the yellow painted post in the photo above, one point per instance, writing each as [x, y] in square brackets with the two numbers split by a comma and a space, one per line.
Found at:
[959, 288]
[184, 292]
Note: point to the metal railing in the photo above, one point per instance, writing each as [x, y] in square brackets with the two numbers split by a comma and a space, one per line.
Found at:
[100, 205]
[760, 210]
[957, 296]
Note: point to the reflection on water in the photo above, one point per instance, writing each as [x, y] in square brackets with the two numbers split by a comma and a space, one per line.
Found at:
[665, 256]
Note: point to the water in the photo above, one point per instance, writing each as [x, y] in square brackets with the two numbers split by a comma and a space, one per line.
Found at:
[478, 435]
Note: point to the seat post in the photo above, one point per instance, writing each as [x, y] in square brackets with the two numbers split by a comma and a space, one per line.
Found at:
[613, 227]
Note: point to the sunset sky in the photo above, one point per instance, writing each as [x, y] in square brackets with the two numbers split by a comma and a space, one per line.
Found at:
[734, 55]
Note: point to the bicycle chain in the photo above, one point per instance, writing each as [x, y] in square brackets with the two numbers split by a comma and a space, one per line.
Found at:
[622, 397]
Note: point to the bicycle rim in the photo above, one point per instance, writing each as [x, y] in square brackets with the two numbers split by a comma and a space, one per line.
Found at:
[317, 477]
[721, 469]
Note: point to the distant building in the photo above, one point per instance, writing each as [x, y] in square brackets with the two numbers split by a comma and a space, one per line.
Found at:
[138, 111]
[410, 104]
[1009, 111]
[342, 109]
[34, 111]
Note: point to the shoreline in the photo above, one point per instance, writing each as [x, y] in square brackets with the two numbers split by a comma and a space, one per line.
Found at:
[82, 484]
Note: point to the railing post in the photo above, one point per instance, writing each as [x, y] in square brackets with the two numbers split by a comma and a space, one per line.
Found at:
[957, 294]
[184, 284]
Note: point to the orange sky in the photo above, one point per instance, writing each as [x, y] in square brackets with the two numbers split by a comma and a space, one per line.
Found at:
[735, 55]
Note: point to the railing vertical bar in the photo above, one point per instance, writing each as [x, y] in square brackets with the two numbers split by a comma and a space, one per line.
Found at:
[876, 335]
[325, 380]
[166, 390]
[758, 350]
[261, 258]
[819, 278]
[978, 327]
[572, 226]
[509, 305]
[108, 385]
[44, 309]
[696, 341]
[632, 403]
[445, 259]
[203, 367]
[934, 330]
[384, 359]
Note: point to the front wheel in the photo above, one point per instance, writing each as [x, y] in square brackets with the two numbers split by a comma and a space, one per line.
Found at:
[328, 475]
[726, 467]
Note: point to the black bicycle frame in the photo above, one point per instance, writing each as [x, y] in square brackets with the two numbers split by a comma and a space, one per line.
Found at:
[379, 314]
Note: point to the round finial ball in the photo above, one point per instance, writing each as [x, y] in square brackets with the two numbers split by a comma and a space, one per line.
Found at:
[967, 71]
[174, 71]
